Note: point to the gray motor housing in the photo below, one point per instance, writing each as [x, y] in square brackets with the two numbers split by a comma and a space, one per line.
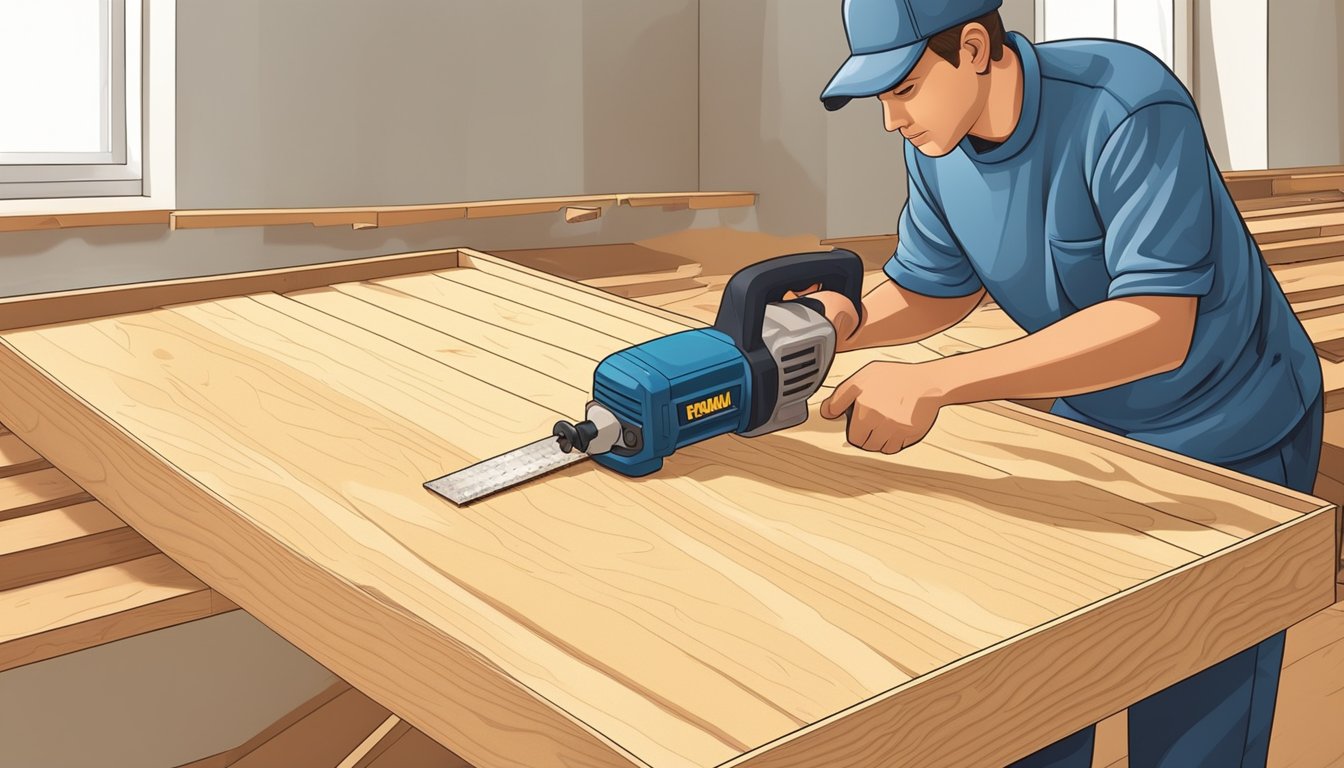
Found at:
[802, 343]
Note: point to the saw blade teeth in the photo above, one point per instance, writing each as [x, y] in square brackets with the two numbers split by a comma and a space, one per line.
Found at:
[503, 471]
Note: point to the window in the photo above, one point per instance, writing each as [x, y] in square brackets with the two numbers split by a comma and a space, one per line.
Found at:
[86, 85]
[1161, 26]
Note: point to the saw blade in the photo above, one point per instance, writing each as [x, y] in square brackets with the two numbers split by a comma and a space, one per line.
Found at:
[504, 471]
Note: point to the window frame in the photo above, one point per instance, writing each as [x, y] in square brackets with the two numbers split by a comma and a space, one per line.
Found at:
[132, 174]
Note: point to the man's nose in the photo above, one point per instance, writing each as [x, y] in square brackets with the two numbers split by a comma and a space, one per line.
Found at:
[893, 117]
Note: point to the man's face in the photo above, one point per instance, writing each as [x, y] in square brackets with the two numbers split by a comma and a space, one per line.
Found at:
[936, 105]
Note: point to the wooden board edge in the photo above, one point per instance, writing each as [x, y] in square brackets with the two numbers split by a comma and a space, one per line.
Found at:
[1286, 572]
[85, 304]
[44, 221]
[1265, 491]
[122, 470]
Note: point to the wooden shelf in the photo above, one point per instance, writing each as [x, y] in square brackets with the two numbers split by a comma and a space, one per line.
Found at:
[73, 220]
[581, 208]
[575, 209]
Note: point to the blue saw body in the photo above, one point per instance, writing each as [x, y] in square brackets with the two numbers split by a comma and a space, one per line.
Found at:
[751, 373]
[673, 391]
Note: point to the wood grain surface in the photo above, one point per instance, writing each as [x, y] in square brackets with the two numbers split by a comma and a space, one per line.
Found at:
[781, 600]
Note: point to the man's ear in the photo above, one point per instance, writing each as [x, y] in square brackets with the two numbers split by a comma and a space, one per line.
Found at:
[975, 47]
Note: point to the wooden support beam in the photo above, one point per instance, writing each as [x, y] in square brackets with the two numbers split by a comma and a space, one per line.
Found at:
[61, 542]
[38, 491]
[68, 614]
[16, 458]
[75, 220]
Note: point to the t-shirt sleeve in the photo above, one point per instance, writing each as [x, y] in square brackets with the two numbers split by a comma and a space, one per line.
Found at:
[1152, 190]
[928, 259]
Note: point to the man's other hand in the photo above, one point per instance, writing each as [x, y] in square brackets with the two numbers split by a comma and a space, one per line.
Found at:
[890, 405]
[839, 310]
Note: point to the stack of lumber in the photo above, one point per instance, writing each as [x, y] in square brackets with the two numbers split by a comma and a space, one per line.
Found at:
[72, 574]
[1297, 216]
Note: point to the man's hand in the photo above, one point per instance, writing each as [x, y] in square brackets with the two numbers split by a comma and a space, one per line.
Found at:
[839, 310]
[893, 405]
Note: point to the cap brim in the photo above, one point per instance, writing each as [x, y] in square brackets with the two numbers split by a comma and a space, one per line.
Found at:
[869, 74]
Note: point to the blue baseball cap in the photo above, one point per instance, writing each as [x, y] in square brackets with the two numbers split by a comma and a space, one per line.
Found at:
[886, 39]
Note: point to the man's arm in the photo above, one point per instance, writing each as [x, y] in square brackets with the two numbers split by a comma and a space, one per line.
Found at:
[893, 314]
[893, 405]
[1108, 344]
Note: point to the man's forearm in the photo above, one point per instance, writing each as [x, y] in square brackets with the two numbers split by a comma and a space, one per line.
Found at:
[1105, 345]
[893, 315]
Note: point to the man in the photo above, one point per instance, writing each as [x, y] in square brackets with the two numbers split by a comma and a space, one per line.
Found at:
[1071, 181]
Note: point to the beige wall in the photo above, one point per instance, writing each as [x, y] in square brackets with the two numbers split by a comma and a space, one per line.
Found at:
[356, 102]
[1231, 80]
[763, 64]
[1306, 83]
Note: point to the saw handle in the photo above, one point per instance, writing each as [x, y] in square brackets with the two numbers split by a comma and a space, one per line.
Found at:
[742, 309]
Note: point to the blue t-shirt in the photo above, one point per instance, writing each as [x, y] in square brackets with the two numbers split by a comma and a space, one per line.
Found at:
[1106, 188]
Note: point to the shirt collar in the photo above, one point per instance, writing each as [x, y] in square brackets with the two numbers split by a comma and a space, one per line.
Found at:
[1031, 106]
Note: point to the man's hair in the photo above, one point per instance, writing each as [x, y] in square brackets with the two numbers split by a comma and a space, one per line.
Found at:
[948, 42]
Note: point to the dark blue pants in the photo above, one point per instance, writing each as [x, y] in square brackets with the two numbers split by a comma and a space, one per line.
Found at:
[1220, 717]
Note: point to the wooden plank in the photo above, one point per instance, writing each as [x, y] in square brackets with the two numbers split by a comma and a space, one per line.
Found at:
[366, 217]
[380, 736]
[491, 350]
[1332, 375]
[577, 214]
[42, 309]
[385, 744]
[16, 458]
[840, 577]
[1112, 740]
[38, 491]
[606, 312]
[61, 542]
[692, 200]
[416, 750]
[445, 290]
[75, 220]
[1331, 350]
[656, 318]
[1305, 310]
[1311, 249]
[1312, 280]
[56, 617]
[1297, 220]
[607, 319]
[1287, 206]
[1325, 327]
[1308, 182]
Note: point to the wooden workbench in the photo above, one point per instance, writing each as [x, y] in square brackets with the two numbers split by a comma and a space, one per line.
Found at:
[779, 601]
